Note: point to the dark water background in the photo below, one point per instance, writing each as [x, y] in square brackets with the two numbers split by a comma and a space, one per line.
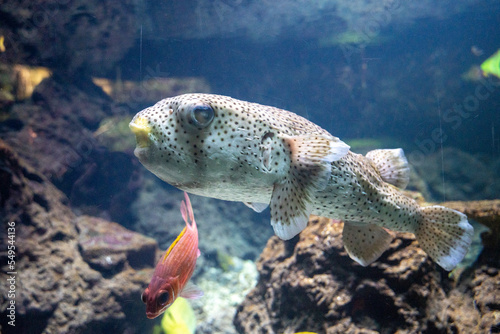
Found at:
[410, 79]
[403, 86]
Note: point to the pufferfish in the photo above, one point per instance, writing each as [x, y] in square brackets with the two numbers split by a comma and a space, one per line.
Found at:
[220, 147]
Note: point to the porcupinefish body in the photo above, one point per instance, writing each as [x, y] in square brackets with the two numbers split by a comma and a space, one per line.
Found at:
[224, 148]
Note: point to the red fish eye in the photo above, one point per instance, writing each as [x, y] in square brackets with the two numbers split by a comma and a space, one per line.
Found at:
[144, 297]
[162, 298]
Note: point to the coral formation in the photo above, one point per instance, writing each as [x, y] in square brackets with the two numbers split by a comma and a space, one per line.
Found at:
[224, 291]
[57, 290]
[402, 292]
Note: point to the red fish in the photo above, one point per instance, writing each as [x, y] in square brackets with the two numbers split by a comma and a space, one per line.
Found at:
[174, 270]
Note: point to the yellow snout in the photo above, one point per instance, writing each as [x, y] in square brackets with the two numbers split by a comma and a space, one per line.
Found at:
[141, 129]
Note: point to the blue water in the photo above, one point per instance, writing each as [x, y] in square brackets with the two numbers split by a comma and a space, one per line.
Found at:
[412, 76]
[374, 76]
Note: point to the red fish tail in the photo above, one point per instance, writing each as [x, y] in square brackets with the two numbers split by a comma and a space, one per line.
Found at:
[187, 211]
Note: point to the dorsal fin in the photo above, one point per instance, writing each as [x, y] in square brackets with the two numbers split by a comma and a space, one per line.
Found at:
[392, 166]
[187, 210]
[173, 244]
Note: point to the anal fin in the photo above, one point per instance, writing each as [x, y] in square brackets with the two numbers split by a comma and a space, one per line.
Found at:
[392, 166]
[365, 243]
[257, 207]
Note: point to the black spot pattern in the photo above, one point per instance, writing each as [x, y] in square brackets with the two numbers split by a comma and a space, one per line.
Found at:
[392, 166]
[357, 193]
[250, 150]
[239, 156]
[238, 153]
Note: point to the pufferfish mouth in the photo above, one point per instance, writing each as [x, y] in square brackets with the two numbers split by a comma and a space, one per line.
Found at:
[140, 127]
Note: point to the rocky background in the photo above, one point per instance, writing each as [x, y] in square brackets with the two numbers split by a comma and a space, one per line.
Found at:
[90, 220]
[310, 284]
[73, 274]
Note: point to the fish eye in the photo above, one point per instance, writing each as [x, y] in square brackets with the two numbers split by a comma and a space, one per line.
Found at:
[202, 115]
[162, 298]
[144, 297]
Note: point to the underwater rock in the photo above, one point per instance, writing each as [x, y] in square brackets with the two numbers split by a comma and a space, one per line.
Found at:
[108, 246]
[19, 81]
[150, 91]
[54, 132]
[56, 290]
[486, 292]
[224, 290]
[309, 283]
[72, 36]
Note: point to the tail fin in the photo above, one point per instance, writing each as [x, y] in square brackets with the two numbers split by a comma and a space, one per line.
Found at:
[445, 235]
[187, 210]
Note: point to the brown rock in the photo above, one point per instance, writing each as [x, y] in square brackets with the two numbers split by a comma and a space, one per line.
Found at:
[108, 247]
[56, 290]
[54, 133]
[73, 36]
[309, 283]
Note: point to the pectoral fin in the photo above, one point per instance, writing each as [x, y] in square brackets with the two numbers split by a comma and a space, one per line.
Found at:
[191, 291]
[310, 168]
[311, 157]
[365, 243]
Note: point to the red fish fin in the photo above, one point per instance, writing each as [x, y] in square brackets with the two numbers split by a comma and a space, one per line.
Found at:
[198, 253]
[173, 244]
[187, 209]
[184, 211]
[191, 291]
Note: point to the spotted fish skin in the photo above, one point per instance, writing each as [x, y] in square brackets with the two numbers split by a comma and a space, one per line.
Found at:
[224, 148]
[238, 157]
